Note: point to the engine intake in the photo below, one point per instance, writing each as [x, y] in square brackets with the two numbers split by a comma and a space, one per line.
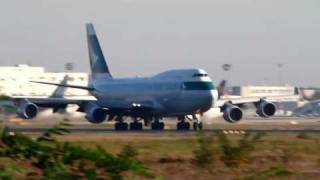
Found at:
[265, 109]
[232, 113]
[27, 109]
[94, 113]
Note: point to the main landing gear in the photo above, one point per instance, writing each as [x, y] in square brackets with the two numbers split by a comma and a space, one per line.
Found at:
[157, 125]
[123, 126]
[182, 125]
[136, 126]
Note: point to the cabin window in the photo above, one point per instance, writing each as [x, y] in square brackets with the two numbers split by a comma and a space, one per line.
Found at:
[200, 75]
[201, 85]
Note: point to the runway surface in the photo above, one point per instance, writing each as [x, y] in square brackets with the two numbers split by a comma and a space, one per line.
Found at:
[250, 124]
[168, 131]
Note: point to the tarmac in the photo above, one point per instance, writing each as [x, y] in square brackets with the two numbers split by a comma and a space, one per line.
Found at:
[249, 124]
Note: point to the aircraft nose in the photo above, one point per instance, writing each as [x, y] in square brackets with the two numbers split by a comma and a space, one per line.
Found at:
[209, 100]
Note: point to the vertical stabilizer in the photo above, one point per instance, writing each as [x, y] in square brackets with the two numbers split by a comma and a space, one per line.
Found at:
[222, 89]
[98, 65]
[60, 90]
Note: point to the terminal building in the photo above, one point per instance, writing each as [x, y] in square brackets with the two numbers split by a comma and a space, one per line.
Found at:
[263, 91]
[15, 81]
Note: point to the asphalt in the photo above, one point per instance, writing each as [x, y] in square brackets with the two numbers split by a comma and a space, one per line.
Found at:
[250, 124]
[171, 131]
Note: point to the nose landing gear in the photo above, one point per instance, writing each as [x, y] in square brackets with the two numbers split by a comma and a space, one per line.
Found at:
[197, 126]
[182, 125]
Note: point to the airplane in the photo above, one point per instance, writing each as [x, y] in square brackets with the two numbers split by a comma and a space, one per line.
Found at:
[9, 104]
[58, 93]
[178, 93]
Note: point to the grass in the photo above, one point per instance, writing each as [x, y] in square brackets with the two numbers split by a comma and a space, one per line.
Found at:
[44, 157]
[167, 156]
[172, 157]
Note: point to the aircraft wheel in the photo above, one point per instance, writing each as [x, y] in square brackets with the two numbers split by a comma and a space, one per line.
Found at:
[179, 126]
[197, 126]
[157, 126]
[200, 126]
[121, 126]
[183, 126]
[136, 126]
[187, 125]
[161, 126]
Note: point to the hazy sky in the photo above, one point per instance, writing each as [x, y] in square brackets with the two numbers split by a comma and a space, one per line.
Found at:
[144, 37]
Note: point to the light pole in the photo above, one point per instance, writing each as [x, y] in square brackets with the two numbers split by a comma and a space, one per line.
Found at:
[68, 66]
[227, 68]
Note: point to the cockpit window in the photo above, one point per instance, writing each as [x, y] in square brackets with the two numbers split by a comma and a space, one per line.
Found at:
[200, 75]
[201, 85]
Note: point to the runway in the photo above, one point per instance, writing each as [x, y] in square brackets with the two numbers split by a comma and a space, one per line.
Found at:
[167, 131]
[250, 124]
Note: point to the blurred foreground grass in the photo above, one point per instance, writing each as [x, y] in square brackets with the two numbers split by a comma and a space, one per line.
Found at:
[275, 156]
[162, 156]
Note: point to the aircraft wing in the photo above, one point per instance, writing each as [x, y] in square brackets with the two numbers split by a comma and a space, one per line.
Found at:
[125, 108]
[51, 100]
[246, 100]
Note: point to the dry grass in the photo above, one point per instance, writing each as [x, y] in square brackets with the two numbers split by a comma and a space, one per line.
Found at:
[277, 156]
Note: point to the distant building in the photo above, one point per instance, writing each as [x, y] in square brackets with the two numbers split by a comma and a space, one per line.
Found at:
[263, 91]
[15, 81]
[285, 105]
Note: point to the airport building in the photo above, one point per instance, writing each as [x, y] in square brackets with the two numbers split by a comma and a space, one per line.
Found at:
[263, 91]
[15, 81]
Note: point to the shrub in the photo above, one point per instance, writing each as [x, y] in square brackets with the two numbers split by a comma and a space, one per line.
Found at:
[65, 160]
[203, 153]
[128, 152]
[234, 155]
[272, 172]
[303, 135]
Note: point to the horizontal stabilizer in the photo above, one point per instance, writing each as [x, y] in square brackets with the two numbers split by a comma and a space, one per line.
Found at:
[65, 85]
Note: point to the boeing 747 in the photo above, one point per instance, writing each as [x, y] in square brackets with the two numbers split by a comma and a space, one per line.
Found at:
[179, 93]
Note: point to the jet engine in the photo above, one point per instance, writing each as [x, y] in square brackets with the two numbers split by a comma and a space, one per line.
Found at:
[231, 113]
[265, 109]
[94, 113]
[27, 109]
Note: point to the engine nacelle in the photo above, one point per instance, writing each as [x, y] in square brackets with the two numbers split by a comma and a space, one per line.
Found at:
[27, 109]
[94, 113]
[232, 113]
[265, 109]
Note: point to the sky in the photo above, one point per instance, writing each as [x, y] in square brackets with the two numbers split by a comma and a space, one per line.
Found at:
[145, 37]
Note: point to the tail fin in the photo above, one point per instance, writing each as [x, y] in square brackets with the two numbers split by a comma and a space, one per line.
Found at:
[222, 88]
[60, 90]
[97, 62]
